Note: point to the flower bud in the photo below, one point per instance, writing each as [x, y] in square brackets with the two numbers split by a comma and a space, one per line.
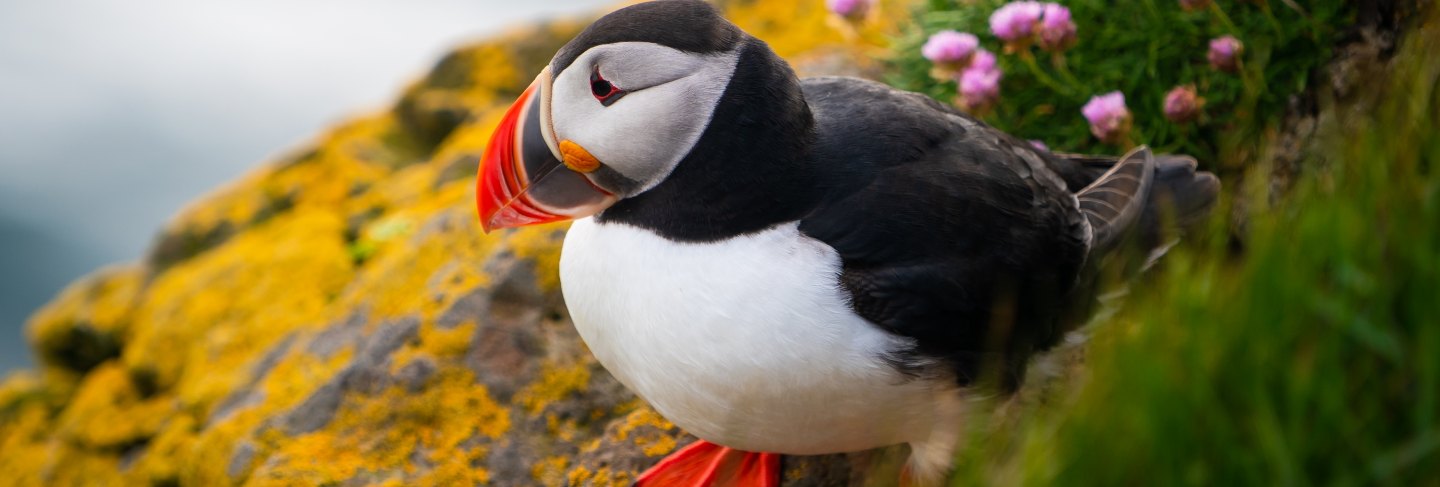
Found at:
[1225, 52]
[1182, 105]
[1057, 31]
[852, 10]
[1109, 118]
[1015, 22]
[949, 49]
[980, 83]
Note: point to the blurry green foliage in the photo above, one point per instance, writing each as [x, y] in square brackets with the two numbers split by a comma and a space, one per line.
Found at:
[1300, 349]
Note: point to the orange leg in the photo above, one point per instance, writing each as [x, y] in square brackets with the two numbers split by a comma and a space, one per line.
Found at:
[705, 464]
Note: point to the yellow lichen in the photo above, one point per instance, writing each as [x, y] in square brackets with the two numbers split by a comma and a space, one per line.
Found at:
[550, 471]
[603, 477]
[108, 412]
[653, 440]
[372, 215]
[208, 317]
[555, 383]
[435, 342]
[795, 29]
[541, 246]
[25, 428]
[95, 309]
[435, 423]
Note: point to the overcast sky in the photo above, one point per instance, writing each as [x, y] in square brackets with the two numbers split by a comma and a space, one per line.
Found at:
[113, 114]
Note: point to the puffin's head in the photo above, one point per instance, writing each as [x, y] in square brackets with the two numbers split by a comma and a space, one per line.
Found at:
[611, 117]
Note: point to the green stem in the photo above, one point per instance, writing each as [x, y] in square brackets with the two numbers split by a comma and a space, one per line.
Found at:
[1041, 75]
[1224, 19]
[1058, 61]
[1250, 84]
[1270, 17]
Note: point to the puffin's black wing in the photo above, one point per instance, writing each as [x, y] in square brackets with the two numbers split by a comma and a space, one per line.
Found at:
[951, 233]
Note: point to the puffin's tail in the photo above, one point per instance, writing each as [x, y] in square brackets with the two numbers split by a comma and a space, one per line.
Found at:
[1115, 200]
[705, 464]
[1143, 190]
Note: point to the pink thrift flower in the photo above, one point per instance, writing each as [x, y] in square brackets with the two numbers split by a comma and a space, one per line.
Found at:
[950, 48]
[1182, 105]
[980, 83]
[1193, 5]
[1014, 22]
[1225, 52]
[1109, 118]
[1040, 146]
[1057, 31]
[849, 9]
[983, 60]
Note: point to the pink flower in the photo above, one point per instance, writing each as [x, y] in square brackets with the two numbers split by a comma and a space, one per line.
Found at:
[1225, 52]
[983, 60]
[1015, 21]
[1057, 32]
[1109, 118]
[980, 83]
[1040, 146]
[1193, 5]
[950, 48]
[849, 9]
[1182, 105]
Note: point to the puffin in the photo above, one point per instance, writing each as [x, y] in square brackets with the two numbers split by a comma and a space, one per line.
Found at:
[799, 267]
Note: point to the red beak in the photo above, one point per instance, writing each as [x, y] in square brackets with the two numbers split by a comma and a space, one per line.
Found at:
[521, 179]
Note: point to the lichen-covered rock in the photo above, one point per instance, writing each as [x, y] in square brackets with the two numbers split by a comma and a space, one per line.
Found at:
[338, 318]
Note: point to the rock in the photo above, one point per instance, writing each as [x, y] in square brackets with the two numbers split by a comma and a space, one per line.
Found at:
[415, 374]
[338, 318]
[240, 461]
[85, 326]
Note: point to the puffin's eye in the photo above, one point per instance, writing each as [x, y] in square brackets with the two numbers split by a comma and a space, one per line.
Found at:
[603, 90]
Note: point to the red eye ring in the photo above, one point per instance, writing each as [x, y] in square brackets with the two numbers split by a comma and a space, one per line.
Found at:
[605, 91]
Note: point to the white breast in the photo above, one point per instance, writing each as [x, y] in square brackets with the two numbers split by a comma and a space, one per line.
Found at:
[748, 342]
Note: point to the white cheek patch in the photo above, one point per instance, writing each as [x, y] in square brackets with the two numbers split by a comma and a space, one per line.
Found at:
[648, 131]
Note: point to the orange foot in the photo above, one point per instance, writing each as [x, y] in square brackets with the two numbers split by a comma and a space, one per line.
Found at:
[705, 464]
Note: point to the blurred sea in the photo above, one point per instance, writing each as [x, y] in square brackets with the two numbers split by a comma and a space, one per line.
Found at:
[115, 114]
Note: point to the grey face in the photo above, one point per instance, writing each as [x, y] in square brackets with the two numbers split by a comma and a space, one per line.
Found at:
[637, 107]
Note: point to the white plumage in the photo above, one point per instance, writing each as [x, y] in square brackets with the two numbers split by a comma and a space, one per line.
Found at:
[749, 342]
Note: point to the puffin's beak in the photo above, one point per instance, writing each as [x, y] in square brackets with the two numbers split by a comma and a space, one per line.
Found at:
[522, 180]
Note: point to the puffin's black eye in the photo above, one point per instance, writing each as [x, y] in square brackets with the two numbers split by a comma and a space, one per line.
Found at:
[603, 90]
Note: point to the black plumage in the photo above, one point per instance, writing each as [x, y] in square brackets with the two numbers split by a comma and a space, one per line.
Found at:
[958, 236]
[951, 233]
[685, 25]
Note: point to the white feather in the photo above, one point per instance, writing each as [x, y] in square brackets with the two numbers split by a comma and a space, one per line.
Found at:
[749, 342]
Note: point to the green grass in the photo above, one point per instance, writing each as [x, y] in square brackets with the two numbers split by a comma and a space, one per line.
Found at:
[1303, 349]
[1142, 48]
